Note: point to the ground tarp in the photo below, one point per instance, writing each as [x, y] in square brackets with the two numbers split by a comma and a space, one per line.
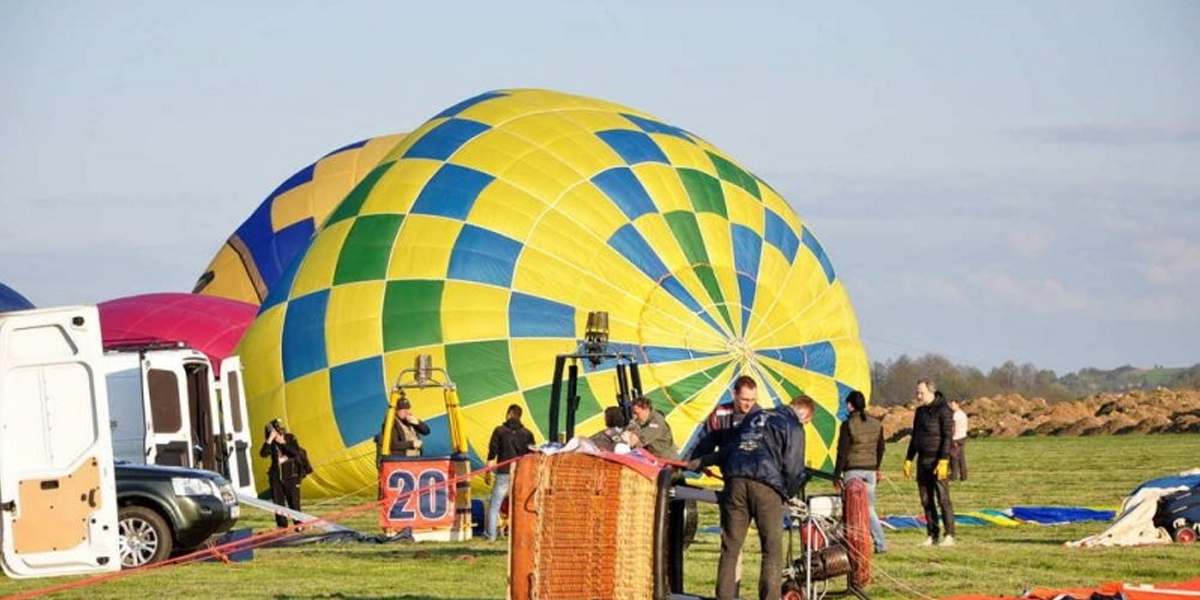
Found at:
[1184, 590]
[1135, 525]
[1122, 591]
[1042, 515]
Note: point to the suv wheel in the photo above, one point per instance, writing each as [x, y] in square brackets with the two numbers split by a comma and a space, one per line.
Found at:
[145, 536]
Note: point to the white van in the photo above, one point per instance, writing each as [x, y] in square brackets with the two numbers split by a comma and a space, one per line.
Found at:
[58, 502]
[168, 408]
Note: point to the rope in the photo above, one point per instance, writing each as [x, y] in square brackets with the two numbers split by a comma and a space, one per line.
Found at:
[256, 541]
[543, 484]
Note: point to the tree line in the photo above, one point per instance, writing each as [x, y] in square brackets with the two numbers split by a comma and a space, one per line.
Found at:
[892, 381]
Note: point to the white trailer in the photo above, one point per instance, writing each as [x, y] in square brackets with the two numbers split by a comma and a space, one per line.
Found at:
[58, 499]
[168, 408]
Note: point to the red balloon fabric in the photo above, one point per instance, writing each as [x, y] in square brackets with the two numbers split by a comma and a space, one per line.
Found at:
[210, 324]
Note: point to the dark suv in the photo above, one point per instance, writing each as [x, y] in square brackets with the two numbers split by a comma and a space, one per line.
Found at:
[168, 509]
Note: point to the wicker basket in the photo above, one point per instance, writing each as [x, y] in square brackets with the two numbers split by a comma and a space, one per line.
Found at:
[582, 529]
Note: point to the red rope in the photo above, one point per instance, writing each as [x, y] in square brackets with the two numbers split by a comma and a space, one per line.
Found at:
[255, 541]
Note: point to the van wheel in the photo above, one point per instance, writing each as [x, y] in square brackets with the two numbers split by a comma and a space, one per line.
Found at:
[145, 536]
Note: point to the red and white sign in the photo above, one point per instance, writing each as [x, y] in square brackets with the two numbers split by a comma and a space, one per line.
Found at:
[416, 493]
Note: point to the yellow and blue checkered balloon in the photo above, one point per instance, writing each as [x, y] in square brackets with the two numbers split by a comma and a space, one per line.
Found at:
[280, 229]
[486, 236]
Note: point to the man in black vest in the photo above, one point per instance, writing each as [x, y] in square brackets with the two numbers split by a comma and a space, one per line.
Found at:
[859, 451]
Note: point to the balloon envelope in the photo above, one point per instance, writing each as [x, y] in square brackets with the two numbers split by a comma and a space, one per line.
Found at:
[11, 300]
[282, 226]
[487, 235]
[211, 325]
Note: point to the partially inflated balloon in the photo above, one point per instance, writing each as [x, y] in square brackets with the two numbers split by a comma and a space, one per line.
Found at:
[211, 325]
[11, 300]
[281, 228]
[485, 238]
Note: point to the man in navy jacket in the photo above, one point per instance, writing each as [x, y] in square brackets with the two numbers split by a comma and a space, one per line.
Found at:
[764, 468]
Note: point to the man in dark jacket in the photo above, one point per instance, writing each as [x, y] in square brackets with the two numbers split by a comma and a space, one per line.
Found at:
[509, 441]
[289, 465]
[859, 451]
[722, 425]
[764, 468]
[933, 428]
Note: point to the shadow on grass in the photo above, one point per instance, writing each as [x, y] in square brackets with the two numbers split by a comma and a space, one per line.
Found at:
[1026, 541]
[402, 551]
[340, 596]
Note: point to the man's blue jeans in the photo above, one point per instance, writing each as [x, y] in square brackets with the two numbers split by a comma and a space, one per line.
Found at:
[868, 477]
[499, 492]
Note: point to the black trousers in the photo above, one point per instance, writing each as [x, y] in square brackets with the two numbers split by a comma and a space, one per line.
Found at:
[744, 500]
[285, 492]
[958, 459]
[934, 495]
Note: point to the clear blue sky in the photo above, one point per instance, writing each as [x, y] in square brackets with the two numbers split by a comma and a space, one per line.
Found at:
[997, 180]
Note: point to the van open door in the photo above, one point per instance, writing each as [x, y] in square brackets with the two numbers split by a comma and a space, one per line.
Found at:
[58, 499]
[236, 426]
[170, 439]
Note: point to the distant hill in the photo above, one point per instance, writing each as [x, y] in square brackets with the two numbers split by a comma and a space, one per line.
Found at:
[892, 381]
[1091, 381]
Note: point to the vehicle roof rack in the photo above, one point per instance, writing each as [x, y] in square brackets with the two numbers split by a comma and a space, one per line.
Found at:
[142, 345]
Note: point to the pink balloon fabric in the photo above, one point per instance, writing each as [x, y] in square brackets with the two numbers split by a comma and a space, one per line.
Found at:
[210, 324]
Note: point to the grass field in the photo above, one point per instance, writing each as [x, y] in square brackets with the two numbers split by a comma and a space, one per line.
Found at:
[1095, 472]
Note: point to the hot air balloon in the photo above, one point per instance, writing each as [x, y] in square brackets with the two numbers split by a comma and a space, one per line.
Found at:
[11, 300]
[209, 324]
[281, 227]
[485, 238]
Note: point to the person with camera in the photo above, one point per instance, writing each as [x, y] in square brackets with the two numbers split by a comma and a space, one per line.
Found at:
[289, 466]
[407, 430]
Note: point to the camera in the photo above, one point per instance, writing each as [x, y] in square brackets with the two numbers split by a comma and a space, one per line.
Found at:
[273, 426]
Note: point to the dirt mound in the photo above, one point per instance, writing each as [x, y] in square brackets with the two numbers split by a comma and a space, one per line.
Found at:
[1013, 415]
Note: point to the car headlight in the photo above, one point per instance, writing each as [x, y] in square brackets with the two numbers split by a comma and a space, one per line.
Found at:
[228, 496]
[193, 486]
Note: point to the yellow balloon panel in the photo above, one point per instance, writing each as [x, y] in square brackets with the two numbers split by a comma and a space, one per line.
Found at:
[486, 236]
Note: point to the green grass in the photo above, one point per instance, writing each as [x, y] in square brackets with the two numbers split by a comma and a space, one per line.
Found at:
[1095, 471]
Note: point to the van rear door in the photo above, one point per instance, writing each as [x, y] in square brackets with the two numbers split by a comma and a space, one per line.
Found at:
[58, 499]
[236, 425]
[167, 403]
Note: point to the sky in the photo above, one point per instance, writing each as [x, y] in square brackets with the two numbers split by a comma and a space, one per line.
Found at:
[995, 181]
